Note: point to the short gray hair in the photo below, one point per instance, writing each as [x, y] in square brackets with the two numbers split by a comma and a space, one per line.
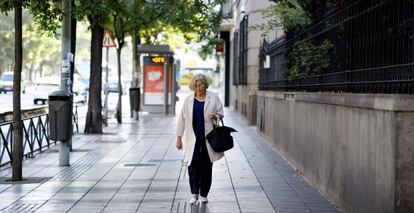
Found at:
[196, 77]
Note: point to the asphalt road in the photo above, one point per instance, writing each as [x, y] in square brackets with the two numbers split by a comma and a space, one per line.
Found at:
[6, 102]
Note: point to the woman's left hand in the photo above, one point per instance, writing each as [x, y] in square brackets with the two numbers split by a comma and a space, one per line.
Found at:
[215, 116]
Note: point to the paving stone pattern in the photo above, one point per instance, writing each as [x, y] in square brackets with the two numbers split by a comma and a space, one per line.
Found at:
[134, 167]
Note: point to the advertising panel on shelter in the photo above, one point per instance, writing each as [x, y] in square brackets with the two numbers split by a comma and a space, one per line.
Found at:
[154, 80]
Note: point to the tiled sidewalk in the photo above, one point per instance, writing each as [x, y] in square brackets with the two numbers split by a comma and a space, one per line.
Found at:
[134, 167]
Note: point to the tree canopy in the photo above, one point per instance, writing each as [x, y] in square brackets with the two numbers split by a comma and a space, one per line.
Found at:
[196, 19]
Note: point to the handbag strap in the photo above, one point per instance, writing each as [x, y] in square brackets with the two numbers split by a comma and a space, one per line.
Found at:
[222, 123]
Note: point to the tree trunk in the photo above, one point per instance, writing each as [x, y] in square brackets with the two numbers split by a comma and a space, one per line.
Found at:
[118, 113]
[42, 64]
[17, 166]
[94, 115]
[31, 68]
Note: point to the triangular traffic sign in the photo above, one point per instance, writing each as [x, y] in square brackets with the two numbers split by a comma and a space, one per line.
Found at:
[108, 40]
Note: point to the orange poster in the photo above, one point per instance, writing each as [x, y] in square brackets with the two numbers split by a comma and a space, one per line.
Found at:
[154, 79]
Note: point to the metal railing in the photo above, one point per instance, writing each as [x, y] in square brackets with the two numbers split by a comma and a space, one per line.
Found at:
[35, 133]
[372, 50]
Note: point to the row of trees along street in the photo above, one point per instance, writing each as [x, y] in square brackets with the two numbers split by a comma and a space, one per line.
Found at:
[196, 19]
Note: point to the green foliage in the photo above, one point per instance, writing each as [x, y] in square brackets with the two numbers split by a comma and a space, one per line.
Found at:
[289, 14]
[37, 48]
[199, 21]
[95, 11]
[7, 43]
[185, 79]
[306, 58]
[7, 33]
[295, 16]
[48, 15]
[8, 5]
[41, 52]
[208, 47]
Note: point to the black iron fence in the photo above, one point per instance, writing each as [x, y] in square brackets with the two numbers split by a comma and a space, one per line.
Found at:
[373, 50]
[35, 134]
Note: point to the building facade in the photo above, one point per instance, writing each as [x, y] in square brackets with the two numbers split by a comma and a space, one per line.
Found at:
[242, 59]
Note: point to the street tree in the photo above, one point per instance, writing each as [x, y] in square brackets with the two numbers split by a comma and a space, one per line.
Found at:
[120, 24]
[17, 155]
[48, 15]
[96, 12]
[190, 15]
[127, 16]
[149, 18]
[200, 22]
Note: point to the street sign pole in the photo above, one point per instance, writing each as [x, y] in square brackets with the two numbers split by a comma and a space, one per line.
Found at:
[108, 41]
[106, 87]
[166, 85]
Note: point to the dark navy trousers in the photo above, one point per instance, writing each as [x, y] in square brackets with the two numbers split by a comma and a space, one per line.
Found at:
[200, 170]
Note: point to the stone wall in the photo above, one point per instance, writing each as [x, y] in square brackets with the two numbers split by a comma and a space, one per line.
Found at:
[357, 149]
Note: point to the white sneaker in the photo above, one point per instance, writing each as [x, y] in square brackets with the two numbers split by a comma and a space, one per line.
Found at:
[203, 199]
[193, 200]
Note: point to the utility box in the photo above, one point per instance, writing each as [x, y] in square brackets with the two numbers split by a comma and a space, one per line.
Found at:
[135, 98]
[60, 116]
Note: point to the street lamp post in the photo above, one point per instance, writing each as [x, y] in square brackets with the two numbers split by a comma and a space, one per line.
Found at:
[65, 83]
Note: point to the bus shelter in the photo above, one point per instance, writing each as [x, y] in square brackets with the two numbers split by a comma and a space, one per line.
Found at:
[158, 74]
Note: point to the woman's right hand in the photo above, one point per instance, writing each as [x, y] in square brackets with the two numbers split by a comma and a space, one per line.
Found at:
[179, 143]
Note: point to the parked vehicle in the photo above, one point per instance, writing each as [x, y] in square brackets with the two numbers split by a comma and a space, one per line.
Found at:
[83, 69]
[112, 87]
[79, 88]
[45, 85]
[6, 83]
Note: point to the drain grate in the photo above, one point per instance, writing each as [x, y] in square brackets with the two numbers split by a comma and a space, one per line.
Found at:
[74, 150]
[21, 207]
[28, 180]
[118, 140]
[139, 164]
[164, 160]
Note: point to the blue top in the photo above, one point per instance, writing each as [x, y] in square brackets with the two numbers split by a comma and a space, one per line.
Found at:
[198, 119]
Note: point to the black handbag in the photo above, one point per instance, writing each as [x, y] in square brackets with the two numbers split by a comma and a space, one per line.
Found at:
[220, 138]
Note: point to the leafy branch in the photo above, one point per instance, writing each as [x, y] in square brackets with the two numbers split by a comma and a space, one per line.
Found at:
[289, 14]
[306, 58]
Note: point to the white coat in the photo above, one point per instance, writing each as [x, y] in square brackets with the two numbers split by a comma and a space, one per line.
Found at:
[185, 129]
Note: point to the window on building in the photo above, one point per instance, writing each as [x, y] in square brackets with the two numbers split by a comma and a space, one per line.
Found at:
[240, 53]
[236, 58]
[244, 30]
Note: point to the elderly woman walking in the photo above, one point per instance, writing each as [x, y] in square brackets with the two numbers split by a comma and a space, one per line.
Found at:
[200, 109]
